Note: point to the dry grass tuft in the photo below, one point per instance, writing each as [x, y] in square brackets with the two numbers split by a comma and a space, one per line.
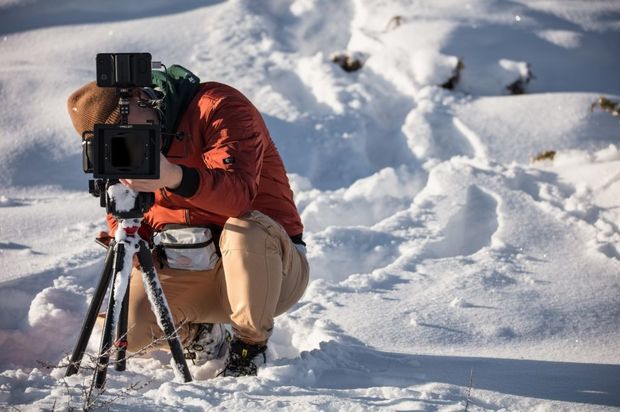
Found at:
[542, 156]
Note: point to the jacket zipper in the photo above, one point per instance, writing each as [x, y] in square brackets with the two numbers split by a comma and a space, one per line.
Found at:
[187, 222]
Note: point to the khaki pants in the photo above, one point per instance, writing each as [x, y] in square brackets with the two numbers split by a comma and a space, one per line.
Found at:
[261, 275]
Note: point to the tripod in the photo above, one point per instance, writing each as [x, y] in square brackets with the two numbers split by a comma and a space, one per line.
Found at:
[115, 277]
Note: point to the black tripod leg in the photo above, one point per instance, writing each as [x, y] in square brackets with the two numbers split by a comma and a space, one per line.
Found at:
[162, 310]
[91, 316]
[106, 337]
[121, 334]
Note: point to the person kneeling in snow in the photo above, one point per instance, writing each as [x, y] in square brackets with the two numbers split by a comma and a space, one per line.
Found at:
[224, 180]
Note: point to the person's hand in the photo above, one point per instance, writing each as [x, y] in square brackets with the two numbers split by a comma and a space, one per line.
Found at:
[170, 176]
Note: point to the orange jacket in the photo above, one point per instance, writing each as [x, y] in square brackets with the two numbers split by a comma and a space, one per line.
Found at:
[230, 166]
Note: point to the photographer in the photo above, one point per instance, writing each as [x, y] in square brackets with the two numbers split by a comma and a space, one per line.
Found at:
[228, 234]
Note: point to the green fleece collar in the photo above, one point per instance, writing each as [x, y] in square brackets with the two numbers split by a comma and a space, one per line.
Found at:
[179, 86]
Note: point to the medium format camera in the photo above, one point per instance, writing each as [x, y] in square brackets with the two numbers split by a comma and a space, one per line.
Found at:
[123, 151]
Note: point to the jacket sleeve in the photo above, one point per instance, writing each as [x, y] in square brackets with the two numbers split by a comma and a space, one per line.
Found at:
[227, 182]
[112, 224]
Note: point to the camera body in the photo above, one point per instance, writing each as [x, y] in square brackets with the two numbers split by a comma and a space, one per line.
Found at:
[123, 151]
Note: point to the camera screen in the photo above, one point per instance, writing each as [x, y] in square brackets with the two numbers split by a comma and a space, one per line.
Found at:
[127, 151]
[123, 69]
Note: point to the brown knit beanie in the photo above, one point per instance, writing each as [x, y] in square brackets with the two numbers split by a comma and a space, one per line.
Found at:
[90, 105]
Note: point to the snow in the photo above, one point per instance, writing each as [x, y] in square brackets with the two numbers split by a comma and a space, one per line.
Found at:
[563, 38]
[124, 198]
[439, 249]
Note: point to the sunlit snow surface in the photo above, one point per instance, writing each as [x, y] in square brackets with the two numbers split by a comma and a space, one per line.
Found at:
[439, 252]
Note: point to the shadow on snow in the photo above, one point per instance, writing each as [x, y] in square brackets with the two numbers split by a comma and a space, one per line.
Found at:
[21, 17]
[349, 366]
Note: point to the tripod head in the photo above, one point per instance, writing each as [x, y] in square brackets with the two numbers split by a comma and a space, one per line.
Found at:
[120, 201]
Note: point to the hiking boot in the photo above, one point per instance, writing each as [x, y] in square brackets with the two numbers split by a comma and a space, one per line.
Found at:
[210, 342]
[244, 358]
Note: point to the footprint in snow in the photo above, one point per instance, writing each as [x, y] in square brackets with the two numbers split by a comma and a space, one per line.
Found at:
[471, 228]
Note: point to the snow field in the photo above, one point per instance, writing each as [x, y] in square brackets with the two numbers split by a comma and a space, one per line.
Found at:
[438, 250]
